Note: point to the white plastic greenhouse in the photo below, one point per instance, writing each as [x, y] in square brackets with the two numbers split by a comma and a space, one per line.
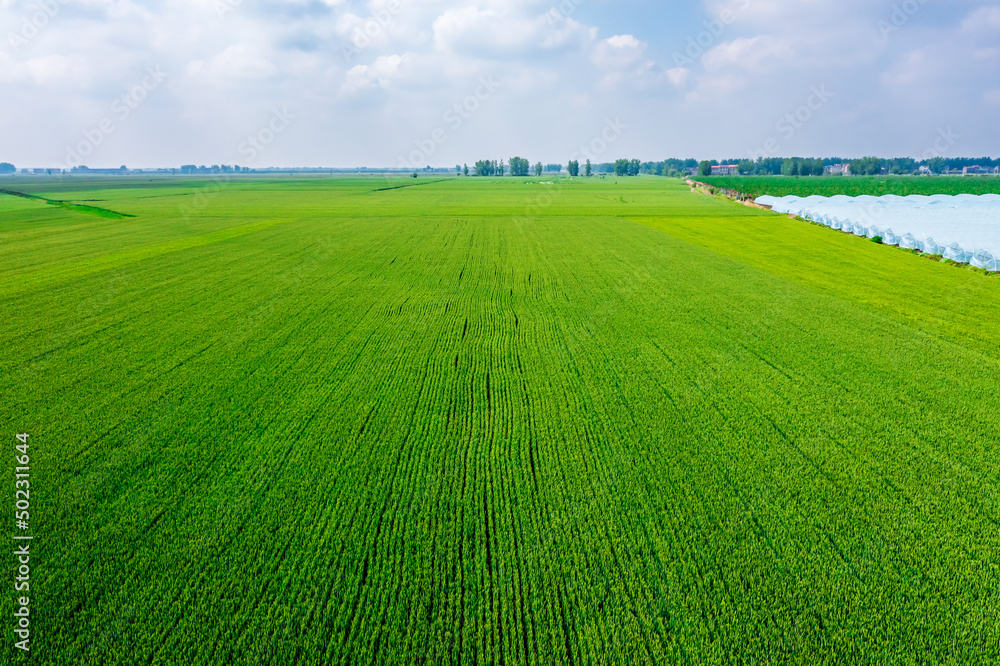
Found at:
[964, 228]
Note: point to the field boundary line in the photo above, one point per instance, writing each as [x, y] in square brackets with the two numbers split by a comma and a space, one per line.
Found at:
[79, 208]
[401, 187]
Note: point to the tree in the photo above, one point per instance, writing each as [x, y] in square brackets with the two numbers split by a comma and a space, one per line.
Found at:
[673, 167]
[458, 169]
[802, 167]
[553, 168]
[704, 168]
[519, 166]
[538, 169]
[489, 168]
[937, 165]
[465, 170]
[574, 168]
[866, 166]
[768, 166]
[7, 167]
[904, 165]
[588, 171]
[796, 166]
[627, 167]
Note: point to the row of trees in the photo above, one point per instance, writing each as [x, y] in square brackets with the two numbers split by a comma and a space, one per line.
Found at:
[520, 167]
[762, 166]
[864, 166]
[215, 168]
[772, 166]
[795, 166]
[489, 168]
[628, 167]
[873, 166]
[7, 168]
[671, 167]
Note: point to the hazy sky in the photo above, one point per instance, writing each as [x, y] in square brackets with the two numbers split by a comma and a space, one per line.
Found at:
[416, 82]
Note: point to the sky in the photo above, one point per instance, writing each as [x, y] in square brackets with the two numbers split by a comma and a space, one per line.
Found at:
[412, 83]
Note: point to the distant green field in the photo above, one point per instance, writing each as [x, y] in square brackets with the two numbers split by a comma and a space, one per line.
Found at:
[321, 421]
[780, 186]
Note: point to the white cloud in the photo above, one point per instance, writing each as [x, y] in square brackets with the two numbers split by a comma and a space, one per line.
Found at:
[507, 34]
[618, 51]
[913, 68]
[679, 76]
[752, 53]
[377, 75]
[983, 19]
[563, 72]
[239, 61]
[54, 72]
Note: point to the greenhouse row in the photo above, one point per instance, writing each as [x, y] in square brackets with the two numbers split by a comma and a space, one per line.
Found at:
[963, 228]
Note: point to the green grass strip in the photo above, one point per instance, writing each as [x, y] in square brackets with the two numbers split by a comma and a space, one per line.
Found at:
[79, 208]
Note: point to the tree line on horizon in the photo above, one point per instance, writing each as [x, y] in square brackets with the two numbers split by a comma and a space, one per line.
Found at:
[864, 166]
[762, 166]
[520, 167]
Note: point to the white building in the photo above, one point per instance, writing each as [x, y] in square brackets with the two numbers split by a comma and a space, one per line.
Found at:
[726, 170]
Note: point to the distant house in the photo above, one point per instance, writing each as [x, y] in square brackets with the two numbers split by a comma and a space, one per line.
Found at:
[925, 170]
[838, 170]
[726, 170]
[977, 171]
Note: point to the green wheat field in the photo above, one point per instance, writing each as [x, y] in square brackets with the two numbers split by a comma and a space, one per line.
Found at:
[491, 421]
